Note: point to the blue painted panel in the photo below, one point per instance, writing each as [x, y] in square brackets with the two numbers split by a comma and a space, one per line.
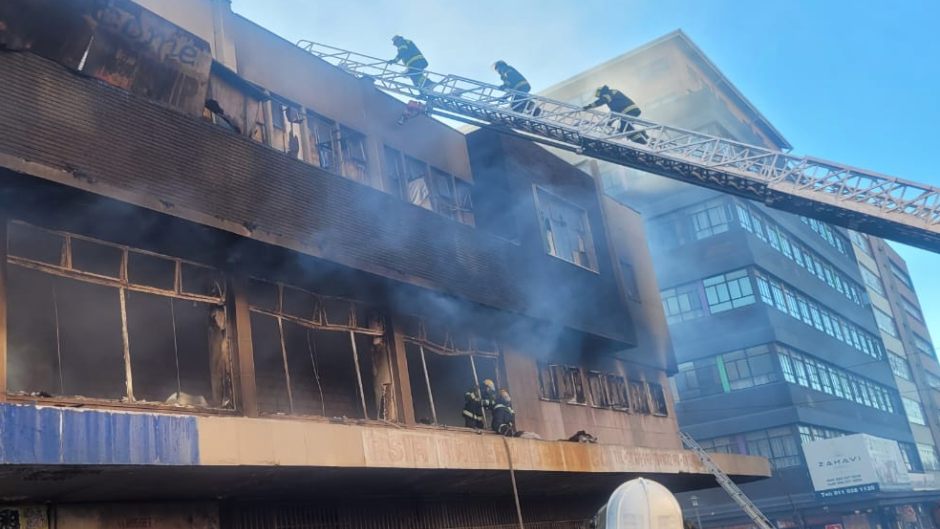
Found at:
[31, 435]
[179, 440]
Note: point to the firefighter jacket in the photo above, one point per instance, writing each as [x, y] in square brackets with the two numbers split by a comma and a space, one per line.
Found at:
[513, 80]
[475, 401]
[504, 419]
[410, 55]
[617, 101]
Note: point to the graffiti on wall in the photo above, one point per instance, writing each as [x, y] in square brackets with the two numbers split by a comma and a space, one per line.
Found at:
[116, 41]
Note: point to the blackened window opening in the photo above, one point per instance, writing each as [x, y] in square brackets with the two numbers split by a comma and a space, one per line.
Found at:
[318, 355]
[443, 365]
[105, 321]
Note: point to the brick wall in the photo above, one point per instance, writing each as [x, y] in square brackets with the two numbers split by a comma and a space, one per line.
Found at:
[107, 141]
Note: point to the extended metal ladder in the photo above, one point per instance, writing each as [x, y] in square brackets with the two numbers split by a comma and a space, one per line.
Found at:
[889, 207]
[736, 494]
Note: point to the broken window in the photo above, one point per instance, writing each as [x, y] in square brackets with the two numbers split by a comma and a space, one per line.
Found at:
[561, 382]
[318, 355]
[617, 392]
[322, 143]
[353, 149]
[100, 320]
[416, 176]
[442, 366]
[608, 391]
[465, 202]
[597, 383]
[639, 397]
[565, 231]
[444, 196]
[658, 399]
[395, 172]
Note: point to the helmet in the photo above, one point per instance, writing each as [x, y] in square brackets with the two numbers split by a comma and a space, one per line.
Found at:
[397, 38]
[489, 383]
[498, 65]
[601, 90]
[504, 396]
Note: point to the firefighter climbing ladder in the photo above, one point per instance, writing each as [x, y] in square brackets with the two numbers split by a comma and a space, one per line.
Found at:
[736, 494]
[885, 206]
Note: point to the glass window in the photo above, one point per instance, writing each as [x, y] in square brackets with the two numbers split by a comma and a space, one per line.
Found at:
[565, 231]
[744, 218]
[710, 220]
[914, 411]
[773, 237]
[779, 300]
[861, 241]
[899, 366]
[682, 303]
[923, 345]
[900, 274]
[872, 281]
[728, 291]
[912, 310]
[802, 369]
[698, 379]
[885, 322]
[911, 457]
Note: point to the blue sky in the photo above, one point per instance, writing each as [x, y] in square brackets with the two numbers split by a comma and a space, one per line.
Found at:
[850, 81]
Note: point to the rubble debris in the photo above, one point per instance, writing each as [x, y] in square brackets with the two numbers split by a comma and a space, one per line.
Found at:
[582, 437]
[185, 399]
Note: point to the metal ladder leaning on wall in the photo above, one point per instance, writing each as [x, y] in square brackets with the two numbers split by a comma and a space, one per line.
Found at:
[863, 200]
[736, 494]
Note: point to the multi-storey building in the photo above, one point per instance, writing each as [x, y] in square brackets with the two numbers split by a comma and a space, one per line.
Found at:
[773, 329]
[907, 344]
[234, 292]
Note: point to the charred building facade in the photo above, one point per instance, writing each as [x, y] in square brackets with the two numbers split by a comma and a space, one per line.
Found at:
[234, 292]
[775, 334]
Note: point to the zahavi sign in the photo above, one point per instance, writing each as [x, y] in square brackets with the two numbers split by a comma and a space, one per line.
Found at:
[855, 464]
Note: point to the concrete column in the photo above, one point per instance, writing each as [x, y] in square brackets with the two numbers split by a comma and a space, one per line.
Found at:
[223, 48]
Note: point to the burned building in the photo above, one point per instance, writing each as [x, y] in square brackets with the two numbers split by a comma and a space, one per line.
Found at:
[264, 310]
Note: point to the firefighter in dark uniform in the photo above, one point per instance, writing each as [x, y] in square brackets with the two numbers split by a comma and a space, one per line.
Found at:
[513, 80]
[504, 419]
[411, 57]
[618, 102]
[475, 401]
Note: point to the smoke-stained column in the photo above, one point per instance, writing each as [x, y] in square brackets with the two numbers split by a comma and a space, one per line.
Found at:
[375, 149]
[222, 45]
[399, 364]
[244, 361]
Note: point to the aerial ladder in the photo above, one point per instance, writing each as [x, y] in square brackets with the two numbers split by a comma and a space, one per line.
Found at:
[861, 200]
[736, 493]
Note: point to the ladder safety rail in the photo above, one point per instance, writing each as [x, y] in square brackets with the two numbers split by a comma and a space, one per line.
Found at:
[884, 206]
[736, 494]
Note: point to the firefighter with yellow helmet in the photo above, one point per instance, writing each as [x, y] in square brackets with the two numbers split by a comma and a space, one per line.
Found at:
[504, 418]
[412, 58]
[618, 102]
[477, 399]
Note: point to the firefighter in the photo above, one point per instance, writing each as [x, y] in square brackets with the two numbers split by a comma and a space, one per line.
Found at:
[618, 102]
[476, 400]
[411, 57]
[513, 80]
[504, 419]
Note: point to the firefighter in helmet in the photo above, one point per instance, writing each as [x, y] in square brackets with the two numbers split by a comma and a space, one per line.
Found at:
[477, 399]
[504, 419]
[618, 102]
[411, 57]
[513, 80]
